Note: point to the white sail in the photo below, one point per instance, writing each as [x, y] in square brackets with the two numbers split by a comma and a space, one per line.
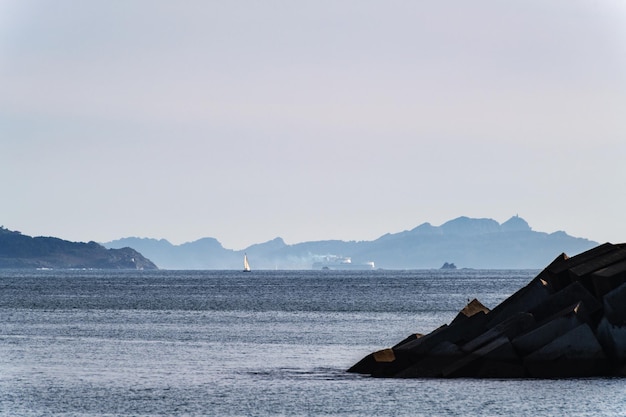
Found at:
[246, 265]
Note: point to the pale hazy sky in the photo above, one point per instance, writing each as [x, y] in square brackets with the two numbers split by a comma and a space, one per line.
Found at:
[310, 120]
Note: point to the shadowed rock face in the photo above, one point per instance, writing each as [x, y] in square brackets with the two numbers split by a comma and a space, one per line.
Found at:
[569, 321]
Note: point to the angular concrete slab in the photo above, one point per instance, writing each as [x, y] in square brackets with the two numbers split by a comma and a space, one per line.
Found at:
[473, 307]
[455, 333]
[383, 363]
[409, 338]
[432, 365]
[579, 342]
[576, 353]
[559, 276]
[523, 300]
[613, 339]
[511, 327]
[607, 279]
[598, 263]
[570, 295]
[554, 328]
[498, 351]
[385, 355]
[571, 262]
[615, 305]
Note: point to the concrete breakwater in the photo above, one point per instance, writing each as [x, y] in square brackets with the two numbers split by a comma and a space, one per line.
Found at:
[569, 321]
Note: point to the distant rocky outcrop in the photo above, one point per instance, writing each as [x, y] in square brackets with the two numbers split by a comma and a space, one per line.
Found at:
[448, 265]
[569, 321]
[471, 243]
[21, 251]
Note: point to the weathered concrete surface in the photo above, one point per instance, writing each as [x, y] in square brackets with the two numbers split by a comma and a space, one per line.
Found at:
[551, 329]
[511, 327]
[597, 263]
[615, 305]
[432, 365]
[576, 353]
[472, 308]
[457, 333]
[489, 360]
[569, 321]
[607, 279]
[572, 294]
[524, 299]
[409, 338]
[613, 339]
[558, 272]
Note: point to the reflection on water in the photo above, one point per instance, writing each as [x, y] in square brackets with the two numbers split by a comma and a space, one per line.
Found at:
[272, 343]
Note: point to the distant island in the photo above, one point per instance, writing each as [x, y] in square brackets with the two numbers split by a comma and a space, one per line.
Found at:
[463, 242]
[21, 251]
[447, 265]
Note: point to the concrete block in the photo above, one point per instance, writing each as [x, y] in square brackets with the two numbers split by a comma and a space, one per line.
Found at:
[615, 305]
[555, 327]
[576, 353]
[383, 363]
[423, 344]
[499, 369]
[598, 263]
[579, 342]
[366, 365]
[570, 295]
[551, 275]
[385, 355]
[432, 365]
[607, 279]
[409, 338]
[564, 367]
[485, 361]
[511, 327]
[559, 267]
[559, 276]
[473, 307]
[523, 300]
[457, 333]
[613, 340]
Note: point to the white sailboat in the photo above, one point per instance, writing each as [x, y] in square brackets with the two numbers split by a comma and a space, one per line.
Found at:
[246, 265]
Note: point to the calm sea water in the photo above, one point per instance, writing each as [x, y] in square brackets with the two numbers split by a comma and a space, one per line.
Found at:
[219, 343]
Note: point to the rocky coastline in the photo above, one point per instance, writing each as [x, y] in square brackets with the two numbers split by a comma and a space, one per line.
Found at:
[20, 251]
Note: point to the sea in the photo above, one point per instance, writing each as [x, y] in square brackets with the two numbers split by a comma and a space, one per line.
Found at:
[264, 343]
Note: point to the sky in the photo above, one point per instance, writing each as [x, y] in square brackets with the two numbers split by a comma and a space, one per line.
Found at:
[310, 120]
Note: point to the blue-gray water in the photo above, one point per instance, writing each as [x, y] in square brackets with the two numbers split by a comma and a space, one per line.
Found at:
[219, 343]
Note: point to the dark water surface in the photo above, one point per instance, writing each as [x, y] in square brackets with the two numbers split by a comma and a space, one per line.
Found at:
[222, 343]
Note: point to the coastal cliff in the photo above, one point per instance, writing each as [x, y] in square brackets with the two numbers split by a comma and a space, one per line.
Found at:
[21, 251]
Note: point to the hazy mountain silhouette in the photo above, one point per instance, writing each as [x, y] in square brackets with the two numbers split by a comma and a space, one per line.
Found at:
[205, 253]
[466, 242]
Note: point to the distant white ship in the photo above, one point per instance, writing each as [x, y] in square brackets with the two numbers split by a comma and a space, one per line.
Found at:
[334, 262]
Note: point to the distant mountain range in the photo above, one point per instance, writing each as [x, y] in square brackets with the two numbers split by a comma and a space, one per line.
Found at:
[466, 242]
[21, 251]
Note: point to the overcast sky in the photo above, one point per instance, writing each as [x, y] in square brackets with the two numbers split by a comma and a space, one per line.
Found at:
[310, 120]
